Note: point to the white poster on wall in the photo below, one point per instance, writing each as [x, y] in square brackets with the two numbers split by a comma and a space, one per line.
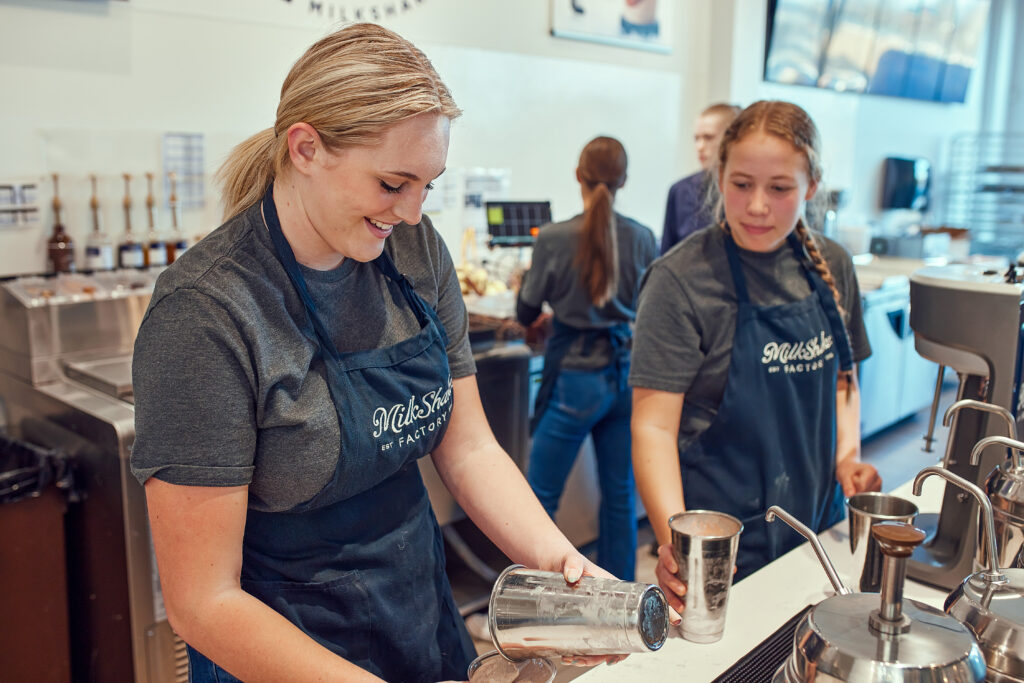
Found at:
[640, 24]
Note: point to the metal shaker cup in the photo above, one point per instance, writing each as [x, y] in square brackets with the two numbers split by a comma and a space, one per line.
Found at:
[866, 510]
[534, 613]
[705, 544]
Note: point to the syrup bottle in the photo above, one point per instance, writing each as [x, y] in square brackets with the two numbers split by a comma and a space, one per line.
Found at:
[99, 248]
[130, 253]
[156, 248]
[177, 243]
[59, 248]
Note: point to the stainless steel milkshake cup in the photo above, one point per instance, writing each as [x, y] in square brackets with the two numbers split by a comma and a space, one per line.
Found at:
[865, 510]
[704, 544]
[534, 613]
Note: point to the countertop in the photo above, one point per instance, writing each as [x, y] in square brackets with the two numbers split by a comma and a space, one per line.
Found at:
[761, 604]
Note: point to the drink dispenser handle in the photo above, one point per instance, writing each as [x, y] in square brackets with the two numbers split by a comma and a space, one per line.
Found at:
[993, 574]
[830, 571]
[1016, 446]
[1011, 424]
[897, 541]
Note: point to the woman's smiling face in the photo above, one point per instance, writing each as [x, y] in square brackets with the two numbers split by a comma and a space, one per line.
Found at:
[764, 182]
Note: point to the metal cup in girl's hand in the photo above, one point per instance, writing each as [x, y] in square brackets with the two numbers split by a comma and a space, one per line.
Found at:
[704, 544]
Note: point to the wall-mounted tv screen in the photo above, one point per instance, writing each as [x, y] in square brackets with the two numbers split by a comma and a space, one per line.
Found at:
[921, 49]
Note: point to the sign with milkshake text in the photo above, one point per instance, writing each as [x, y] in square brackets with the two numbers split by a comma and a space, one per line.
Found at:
[796, 357]
[401, 425]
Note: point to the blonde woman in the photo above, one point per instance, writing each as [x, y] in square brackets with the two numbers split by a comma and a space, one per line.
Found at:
[745, 392]
[291, 369]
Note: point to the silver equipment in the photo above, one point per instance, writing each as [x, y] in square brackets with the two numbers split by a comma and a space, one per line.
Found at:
[65, 382]
[534, 613]
[1004, 488]
[990, 602]
[968, 318]
[867, 637]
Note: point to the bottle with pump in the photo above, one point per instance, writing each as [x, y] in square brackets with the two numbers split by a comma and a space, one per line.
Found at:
[130, 254]
[176, 243]
[60, 249]
[156, 247]
[99, 249]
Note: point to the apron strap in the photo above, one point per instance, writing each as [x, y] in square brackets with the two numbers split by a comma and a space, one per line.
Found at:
[841, 338]
[739, 281]
[383, 263]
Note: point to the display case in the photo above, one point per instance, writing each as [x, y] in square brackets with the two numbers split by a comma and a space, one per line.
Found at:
[985, 191]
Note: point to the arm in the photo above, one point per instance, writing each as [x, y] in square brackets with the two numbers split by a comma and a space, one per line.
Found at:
[655, 427]
[853, 475]
[471, 462]
[197, 537]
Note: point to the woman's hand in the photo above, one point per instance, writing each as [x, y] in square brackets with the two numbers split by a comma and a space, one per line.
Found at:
[574, 567]
[855, 477]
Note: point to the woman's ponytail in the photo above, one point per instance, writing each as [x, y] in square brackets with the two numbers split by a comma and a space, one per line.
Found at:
[602, 170]
[597, 256]
[248, 170]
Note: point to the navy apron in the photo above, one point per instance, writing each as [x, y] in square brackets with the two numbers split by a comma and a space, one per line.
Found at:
[557, 347]
[773, 440]
[360, 566]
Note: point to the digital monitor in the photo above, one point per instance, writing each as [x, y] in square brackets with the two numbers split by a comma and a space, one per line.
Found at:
[905, 183]
[513, 223]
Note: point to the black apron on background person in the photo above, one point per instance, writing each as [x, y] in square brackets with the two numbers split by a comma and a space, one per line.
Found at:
[773, 439]
[562, 338]
[360, 566]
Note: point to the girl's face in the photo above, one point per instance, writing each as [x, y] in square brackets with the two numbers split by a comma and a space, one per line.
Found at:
[765, 182]
[355, 197]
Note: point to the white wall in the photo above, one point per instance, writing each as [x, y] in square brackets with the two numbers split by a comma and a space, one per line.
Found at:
[90, 87]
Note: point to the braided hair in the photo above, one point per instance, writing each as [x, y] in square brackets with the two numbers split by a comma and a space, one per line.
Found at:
[791, 123]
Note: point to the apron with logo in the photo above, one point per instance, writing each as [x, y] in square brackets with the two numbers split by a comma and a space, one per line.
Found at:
[773, 440]
[360, 566]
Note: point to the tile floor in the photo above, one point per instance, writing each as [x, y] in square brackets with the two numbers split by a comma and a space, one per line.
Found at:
[897, 452]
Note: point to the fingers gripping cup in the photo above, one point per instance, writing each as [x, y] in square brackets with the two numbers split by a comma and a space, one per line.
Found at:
[866, 510]
[704, 544]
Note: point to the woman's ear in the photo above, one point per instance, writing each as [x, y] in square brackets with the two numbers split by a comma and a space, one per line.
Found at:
[812, 188]
[303, 145]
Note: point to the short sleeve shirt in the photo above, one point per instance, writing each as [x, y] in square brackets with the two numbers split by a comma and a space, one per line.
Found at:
[230, 387]
[686, 317]
[554, 277]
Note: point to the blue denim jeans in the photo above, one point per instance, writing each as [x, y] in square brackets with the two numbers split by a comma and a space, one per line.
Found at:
[596, 402]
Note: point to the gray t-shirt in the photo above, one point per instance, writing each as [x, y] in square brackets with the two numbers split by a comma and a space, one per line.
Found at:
[687, 316]
[554, 278]
[229, 388]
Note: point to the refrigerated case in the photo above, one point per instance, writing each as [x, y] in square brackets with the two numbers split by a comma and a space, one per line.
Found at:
[895, 381]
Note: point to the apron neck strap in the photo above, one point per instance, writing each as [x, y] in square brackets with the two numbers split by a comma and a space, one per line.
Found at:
[818, 286]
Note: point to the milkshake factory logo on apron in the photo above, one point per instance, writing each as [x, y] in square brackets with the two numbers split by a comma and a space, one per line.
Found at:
[802, 356]
[411, 420]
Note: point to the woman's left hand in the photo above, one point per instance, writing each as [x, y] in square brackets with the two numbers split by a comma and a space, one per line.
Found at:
[856, 476]
[574, 567]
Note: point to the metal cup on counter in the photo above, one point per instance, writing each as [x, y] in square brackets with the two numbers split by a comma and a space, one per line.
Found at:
[535, 613]
[704, 544]
[866, 510]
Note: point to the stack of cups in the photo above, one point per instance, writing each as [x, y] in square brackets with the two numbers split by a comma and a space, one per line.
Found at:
[704, 544]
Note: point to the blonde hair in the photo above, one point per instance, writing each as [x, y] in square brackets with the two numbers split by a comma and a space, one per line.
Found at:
[791, 123]
[602, 169]
[349, 86]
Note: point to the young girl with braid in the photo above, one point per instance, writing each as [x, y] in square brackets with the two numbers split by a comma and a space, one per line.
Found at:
[746, 340]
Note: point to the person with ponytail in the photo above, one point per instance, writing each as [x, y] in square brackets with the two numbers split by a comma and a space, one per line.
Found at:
[747, 335]
[290, 370]
[588, 269]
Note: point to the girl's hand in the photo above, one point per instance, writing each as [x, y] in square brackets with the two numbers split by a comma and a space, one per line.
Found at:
[667, 573]
[856, 477]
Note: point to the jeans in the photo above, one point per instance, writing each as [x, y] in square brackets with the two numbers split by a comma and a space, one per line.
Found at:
[596, 402]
